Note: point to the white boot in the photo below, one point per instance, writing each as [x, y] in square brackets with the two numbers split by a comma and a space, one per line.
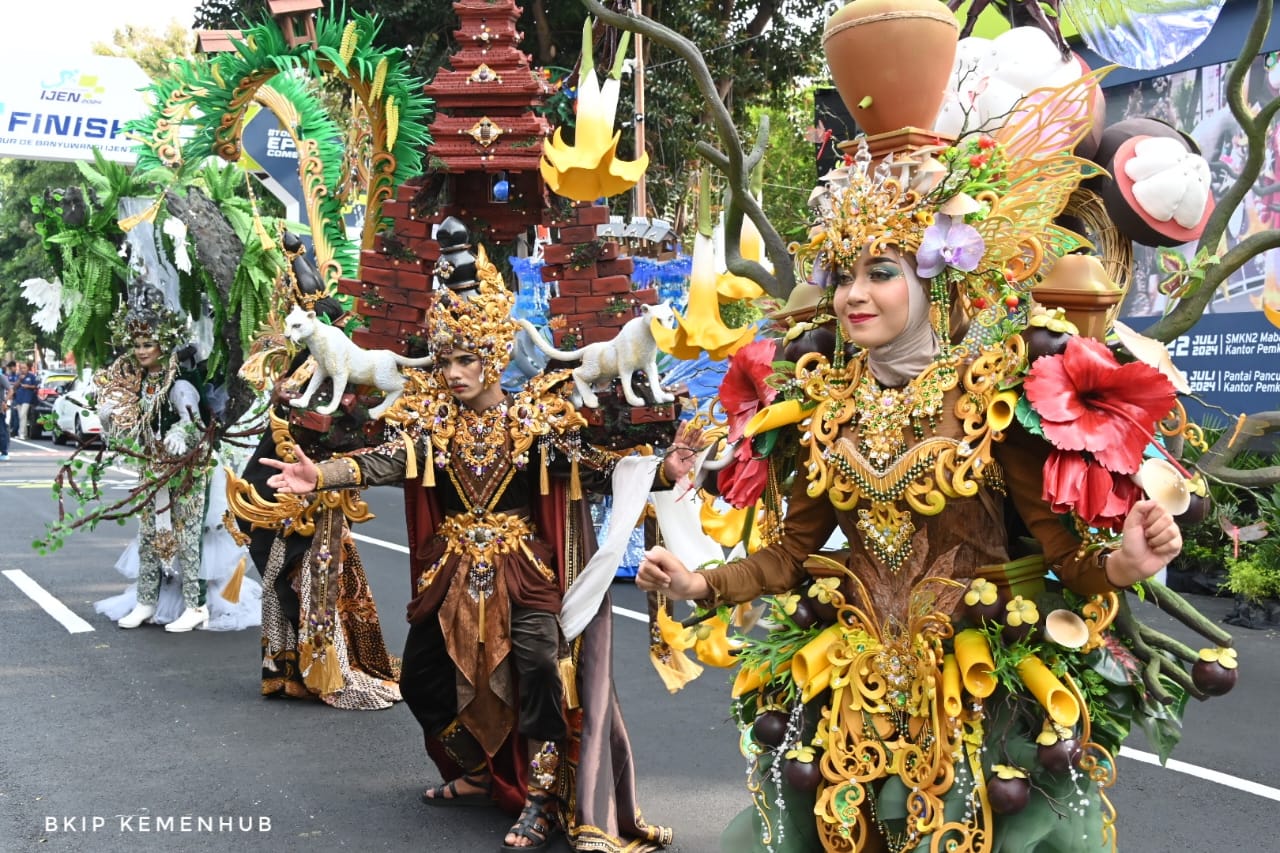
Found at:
[192, 617]
[135, 617]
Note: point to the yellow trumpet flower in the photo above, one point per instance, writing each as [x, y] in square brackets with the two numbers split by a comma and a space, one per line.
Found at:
[716, 649]
[673, 633]
[780, 414]
[726, 527]
[701, 329]
[589, 169]
[730, 287]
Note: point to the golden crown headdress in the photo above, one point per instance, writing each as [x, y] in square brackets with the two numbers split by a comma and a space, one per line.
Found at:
[978, 213]
[476, 319]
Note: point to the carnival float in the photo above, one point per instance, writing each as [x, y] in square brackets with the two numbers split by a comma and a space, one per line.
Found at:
[1023, 205]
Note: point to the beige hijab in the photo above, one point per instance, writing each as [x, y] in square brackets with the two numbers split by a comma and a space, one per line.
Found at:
[906, 356]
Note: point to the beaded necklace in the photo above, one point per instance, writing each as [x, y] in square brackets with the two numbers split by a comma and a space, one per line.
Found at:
[876, 451]
[882, 415]
[480, 436]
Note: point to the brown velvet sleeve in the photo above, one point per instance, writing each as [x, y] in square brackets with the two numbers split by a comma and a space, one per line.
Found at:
[383, 465]
[779, 567]
[1022, 456]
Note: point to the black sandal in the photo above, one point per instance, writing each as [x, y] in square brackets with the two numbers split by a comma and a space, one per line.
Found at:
[448, 795]
[537, 822]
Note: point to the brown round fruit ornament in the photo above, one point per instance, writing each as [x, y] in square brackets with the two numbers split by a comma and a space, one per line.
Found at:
[1213, 678]
[770, 728]
[1008, 796]
[1060, 757]
[802, 775]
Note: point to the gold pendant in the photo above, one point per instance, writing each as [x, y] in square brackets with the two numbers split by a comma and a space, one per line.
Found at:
[887, 532]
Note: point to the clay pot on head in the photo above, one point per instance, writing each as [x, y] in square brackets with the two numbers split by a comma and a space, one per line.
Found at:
[891, 61]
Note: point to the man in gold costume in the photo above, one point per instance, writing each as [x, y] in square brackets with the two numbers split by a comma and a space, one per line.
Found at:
[498, 530]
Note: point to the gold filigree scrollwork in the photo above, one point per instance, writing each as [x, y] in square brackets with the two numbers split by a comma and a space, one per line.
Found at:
[858, 447]
[886, 717]
[269, 358]
[286, 511]
[165, 140]
[229, 522]
[1097, 763]
[1177, 424]
[294, 514]
[1098, 614]
[314, 189]
[226, 137]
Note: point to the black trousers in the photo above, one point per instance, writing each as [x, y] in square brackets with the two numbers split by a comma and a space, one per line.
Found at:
[428, 676]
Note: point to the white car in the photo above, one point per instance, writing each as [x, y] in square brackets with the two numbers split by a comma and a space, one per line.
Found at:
[75, 415]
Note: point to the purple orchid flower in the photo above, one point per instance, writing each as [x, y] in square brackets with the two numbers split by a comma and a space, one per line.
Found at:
[949, 242]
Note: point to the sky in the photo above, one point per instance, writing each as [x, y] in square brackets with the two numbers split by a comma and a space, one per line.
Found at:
[49, 26]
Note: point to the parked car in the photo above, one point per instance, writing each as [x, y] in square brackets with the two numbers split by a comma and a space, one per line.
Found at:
[75, 415]
[51, 385]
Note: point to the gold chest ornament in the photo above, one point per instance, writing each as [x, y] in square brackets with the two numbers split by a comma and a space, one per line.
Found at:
[878, 450]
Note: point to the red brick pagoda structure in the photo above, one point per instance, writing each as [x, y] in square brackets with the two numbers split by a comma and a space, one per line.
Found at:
[482, 168]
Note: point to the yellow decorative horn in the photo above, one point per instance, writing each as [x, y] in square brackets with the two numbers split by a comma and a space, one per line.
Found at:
[1057, 700]
[810, 667]
[1000, 410]
[751, 678]
[977, 667]
[952, 704]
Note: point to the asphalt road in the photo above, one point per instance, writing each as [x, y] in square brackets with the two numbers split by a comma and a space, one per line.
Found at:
[110, 736]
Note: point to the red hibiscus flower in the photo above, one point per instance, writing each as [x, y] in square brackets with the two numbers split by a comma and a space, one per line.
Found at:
[742, 481]
[1089, 401]
[743, 392]
[1101, 498]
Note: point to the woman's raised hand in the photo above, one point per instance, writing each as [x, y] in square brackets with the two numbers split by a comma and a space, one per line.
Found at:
[1151, 540]
[689, 442]
[295, 478]
[662, 571]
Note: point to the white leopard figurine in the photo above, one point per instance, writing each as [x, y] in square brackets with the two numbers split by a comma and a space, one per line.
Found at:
[346, 362]
[632, 349]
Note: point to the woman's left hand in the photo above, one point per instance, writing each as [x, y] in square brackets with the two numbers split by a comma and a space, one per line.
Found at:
[683, 452]
[1151, 540]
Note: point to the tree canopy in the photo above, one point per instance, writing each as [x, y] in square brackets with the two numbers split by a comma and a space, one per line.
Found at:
[757, 51]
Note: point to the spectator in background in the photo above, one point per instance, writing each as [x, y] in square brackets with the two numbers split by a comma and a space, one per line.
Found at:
[24, 397]
[11, 374]
[6, 389]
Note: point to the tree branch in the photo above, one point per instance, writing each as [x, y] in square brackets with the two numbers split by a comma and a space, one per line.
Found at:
[1188, 310]
[1216, 461]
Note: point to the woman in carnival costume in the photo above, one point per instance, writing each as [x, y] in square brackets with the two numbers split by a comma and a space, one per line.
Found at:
[321, 632]
[189, 569]
[498, 530]
[911, 697]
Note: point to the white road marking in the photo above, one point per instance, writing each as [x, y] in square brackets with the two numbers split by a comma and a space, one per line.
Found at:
[55, 608]
[631, 614]
[381, 543]
[41, 447]
[1205, 773]
[26, 443]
